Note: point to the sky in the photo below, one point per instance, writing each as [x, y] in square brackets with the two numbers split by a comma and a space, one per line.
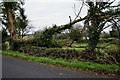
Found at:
[45, 13]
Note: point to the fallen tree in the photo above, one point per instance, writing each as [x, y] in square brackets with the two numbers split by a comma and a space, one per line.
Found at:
[95, 16]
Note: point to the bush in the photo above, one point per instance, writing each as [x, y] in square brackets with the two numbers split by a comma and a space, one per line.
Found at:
[45, 38]
[65, 42]
[15, 46]
[114, 51]
[47, 43]
[105, 35]
[70, 54]
[5, 46]
[51, 52]
[116, 41]
[5, 36]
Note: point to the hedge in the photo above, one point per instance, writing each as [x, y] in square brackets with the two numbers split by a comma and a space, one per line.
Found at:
[68, 54]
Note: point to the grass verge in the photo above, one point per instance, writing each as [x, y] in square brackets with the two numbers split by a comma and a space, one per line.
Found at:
[60, 62]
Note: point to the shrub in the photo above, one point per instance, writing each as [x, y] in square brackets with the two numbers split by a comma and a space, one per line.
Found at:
[114, 51]
[45, 38]
[116, 41]
[65, 42]
[105, 35]
[70, 54]
[15, 46]
[51, 52]
[5, 46]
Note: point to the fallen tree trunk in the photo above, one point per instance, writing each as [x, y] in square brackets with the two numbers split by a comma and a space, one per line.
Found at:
[13, 32]
[58, 29]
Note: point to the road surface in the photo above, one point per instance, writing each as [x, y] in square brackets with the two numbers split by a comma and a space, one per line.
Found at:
[18, 68]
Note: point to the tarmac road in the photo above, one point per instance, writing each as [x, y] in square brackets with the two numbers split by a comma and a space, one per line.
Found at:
[18, 68]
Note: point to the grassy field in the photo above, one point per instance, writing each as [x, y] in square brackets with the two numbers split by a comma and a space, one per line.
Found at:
[79, 44]
[60, 62]
[106, 45]
[73, 48]
[99, 45]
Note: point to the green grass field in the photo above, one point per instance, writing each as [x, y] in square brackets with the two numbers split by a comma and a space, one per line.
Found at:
[111, 46]
[73, 48]
[99, 45]
[79, 44]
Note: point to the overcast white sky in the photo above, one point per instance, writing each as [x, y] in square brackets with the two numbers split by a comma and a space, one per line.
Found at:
[42, 13]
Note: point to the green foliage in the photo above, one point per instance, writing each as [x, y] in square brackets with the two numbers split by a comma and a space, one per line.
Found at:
[15, 46]
[93, 35]
[21, 23]
[5, 36]
[5, 46]
[113, 33]
[65, 42]
[4, 6]
[60, 62]
[75, 34]
[45, 38]
[95, 23]
[83, 41]
[105, 35]
[17, 12]
[13, 5]
[68, 54]
[114, 51]
[115, 30]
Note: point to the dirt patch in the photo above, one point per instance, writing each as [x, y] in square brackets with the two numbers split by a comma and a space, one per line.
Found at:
[109, 73]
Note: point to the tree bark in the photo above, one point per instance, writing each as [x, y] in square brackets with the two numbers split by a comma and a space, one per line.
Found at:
[11, 24]
[12, 28]
[93, 40]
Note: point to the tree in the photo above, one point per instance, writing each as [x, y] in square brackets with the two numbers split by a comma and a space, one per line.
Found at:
[99, 14]
[115, 29]
[46, 36]
[9, 9]
[75, 34]
[21, 23]
[5, 36]
[61, 36]
[10, 17]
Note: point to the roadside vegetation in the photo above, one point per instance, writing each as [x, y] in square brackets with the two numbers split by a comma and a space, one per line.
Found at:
[61, 62]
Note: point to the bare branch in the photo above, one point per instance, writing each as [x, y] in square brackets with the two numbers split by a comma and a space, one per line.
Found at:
[114, 22]
[79, 11]
[66, 26]
[74, 7]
